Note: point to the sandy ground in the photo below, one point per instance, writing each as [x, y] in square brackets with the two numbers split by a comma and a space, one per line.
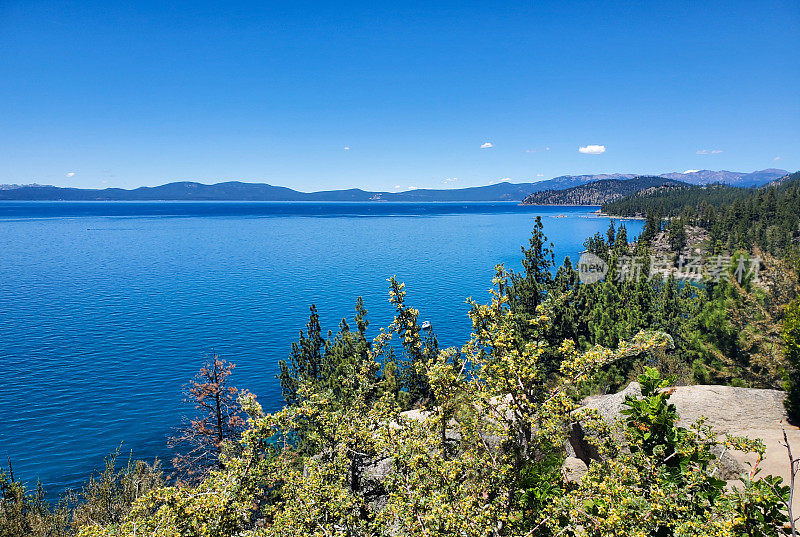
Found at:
[745, 412]
[776, 460]
[753, 413]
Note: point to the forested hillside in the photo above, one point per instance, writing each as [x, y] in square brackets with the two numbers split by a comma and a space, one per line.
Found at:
[599, 192]
[766, 217]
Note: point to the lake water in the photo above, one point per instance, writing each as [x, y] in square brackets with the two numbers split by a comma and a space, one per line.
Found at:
[106, 309]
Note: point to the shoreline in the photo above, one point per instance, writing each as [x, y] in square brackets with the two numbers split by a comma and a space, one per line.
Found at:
[606, 215]
[599, 213]
[555, 205]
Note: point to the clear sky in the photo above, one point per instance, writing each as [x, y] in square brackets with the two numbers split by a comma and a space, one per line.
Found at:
[392, 95]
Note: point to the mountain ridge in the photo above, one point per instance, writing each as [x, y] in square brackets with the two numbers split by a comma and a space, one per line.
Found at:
[602, 191]
[241, 191]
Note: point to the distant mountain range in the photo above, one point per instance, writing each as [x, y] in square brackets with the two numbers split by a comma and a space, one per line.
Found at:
[707, 177]
[237, 191]
[602, 191]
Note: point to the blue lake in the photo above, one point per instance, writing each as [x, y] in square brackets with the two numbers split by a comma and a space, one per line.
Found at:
[107, 309]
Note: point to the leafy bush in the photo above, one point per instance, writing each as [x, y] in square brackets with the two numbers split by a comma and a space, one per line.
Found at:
[791, 338]
[105, 500]
[662, 481]
[28, 514]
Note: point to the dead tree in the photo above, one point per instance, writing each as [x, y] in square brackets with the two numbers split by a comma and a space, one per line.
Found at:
[794, 468]
[201, 440]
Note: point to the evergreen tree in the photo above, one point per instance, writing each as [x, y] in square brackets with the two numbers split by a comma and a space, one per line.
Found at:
[596, 245]
[417, 348]
[676, 234]
[529, 288]
[305, 362]
[565, 308]
[791, 338]
[652, 226]
[318, 363]
[621, 241]
[611, 233]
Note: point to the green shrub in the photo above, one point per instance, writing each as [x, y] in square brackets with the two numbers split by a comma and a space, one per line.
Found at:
[791, 338]
[663, 483]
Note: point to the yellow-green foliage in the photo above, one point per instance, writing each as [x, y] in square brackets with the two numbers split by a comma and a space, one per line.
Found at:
[661, 480]
[396, 437]
[791, 338]
[479, 456]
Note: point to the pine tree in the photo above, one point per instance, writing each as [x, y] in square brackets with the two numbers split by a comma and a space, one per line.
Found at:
[611, 233]
[791, 338]
[318, 363]
[528, 289]
[418, 348]
[676, 232]
[652, 226]
[621, 241]
[305, 362]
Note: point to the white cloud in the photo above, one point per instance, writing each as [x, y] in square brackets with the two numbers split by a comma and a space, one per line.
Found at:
[539, 175]
[537, 150]
[70, 174]
[412, 187]
[709, 151]
[487, 145]
[592, 149]
[397, 187]
[450, 180]
[505, 180]
[690, 171]
[776, 159]
[347, 148]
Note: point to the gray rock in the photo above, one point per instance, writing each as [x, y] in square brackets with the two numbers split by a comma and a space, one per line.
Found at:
[728, 468]
[574, 469]
[581, 444]
[377, 470]
[610, 405]
[747, 412]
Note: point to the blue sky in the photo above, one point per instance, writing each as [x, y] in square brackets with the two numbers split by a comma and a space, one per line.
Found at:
[386, 96]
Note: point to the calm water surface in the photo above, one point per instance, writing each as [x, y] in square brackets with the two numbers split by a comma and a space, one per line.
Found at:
[106, 309]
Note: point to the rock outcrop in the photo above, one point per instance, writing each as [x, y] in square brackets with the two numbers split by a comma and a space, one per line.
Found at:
[749, 412]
